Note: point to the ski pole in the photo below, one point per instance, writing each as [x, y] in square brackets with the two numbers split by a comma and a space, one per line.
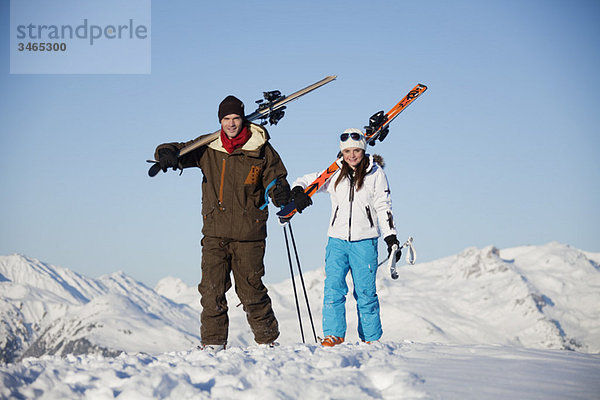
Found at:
[302, 281]
[293, 283]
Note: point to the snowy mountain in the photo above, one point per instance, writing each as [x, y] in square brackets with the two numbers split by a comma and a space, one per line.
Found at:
[533, 296]
[483, 324]
[51, 310]
[540, 297]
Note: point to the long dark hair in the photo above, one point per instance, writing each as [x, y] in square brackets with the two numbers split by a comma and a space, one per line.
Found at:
[357, 174]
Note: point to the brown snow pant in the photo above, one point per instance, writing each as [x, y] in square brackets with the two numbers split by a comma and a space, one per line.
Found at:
[220, 257]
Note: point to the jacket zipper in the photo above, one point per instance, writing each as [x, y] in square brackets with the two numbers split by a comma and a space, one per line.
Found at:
[369, 216]
[351, 198]
[222, 184]
[335, 215]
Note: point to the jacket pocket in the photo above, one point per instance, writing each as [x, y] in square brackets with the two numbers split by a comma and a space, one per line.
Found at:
[369, 216]
[208, 220]
[256, 215]
[252, 225]
[335, 215]
[253, 176]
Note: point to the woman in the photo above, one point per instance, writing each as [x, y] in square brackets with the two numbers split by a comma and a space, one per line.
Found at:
[361, 211]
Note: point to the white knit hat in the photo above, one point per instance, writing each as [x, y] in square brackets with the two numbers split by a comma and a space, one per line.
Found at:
[360, 143]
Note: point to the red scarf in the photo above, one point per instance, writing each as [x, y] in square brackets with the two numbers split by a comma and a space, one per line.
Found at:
[230, 144]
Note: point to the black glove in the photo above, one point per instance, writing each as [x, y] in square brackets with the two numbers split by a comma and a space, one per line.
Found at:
[391, 240]
[301, 199]
[167, 158]
[281, 193]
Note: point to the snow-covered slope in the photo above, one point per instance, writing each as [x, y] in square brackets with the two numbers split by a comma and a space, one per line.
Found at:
[389, 370]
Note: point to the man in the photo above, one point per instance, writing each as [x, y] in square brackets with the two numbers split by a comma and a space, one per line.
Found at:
[237, 169]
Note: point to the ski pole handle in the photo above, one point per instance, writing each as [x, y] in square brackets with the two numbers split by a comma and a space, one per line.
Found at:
[411, 255]
[392, 261]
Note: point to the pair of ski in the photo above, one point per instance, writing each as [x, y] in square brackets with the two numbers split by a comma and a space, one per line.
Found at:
[270, 109]
[377, 129]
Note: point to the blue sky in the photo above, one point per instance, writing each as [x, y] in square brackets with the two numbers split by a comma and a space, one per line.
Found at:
[502, 149]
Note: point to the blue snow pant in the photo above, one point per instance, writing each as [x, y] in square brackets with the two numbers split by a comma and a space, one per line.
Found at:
[360, 258]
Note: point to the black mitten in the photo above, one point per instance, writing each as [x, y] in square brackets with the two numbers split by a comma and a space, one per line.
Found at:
[391, 240]
[281, 193]
[300, 198]
[167, 158]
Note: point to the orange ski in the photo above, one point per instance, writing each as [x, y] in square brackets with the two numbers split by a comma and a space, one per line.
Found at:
[377, 129]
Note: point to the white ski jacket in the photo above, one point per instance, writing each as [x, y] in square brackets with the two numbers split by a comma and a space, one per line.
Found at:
[357, 215]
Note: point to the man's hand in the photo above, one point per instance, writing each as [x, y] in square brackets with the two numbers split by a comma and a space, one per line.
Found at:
[167, 158]
[281, 193]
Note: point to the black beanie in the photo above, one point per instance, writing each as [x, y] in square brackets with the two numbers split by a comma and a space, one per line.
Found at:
[231, 105]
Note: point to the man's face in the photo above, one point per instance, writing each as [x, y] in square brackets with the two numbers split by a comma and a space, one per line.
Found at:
[232, 125]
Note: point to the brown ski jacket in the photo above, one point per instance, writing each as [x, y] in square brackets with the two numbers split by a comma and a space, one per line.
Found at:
[233, 185]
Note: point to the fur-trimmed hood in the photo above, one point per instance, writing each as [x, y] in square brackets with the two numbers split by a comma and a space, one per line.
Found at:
[374, 159]
[378, 160]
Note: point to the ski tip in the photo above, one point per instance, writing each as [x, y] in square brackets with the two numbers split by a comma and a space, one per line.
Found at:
[327, 79]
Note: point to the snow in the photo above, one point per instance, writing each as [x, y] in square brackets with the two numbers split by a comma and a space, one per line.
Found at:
[389, 370]
[483, 324]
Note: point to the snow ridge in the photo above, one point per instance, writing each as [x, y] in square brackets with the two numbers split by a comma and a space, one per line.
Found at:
[542, 297]
[483, 324]
[52, 310]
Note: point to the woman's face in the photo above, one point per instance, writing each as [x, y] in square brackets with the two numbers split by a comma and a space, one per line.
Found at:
[353, 156]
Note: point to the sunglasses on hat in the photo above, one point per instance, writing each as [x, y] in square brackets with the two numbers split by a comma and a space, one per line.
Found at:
[353, 135]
